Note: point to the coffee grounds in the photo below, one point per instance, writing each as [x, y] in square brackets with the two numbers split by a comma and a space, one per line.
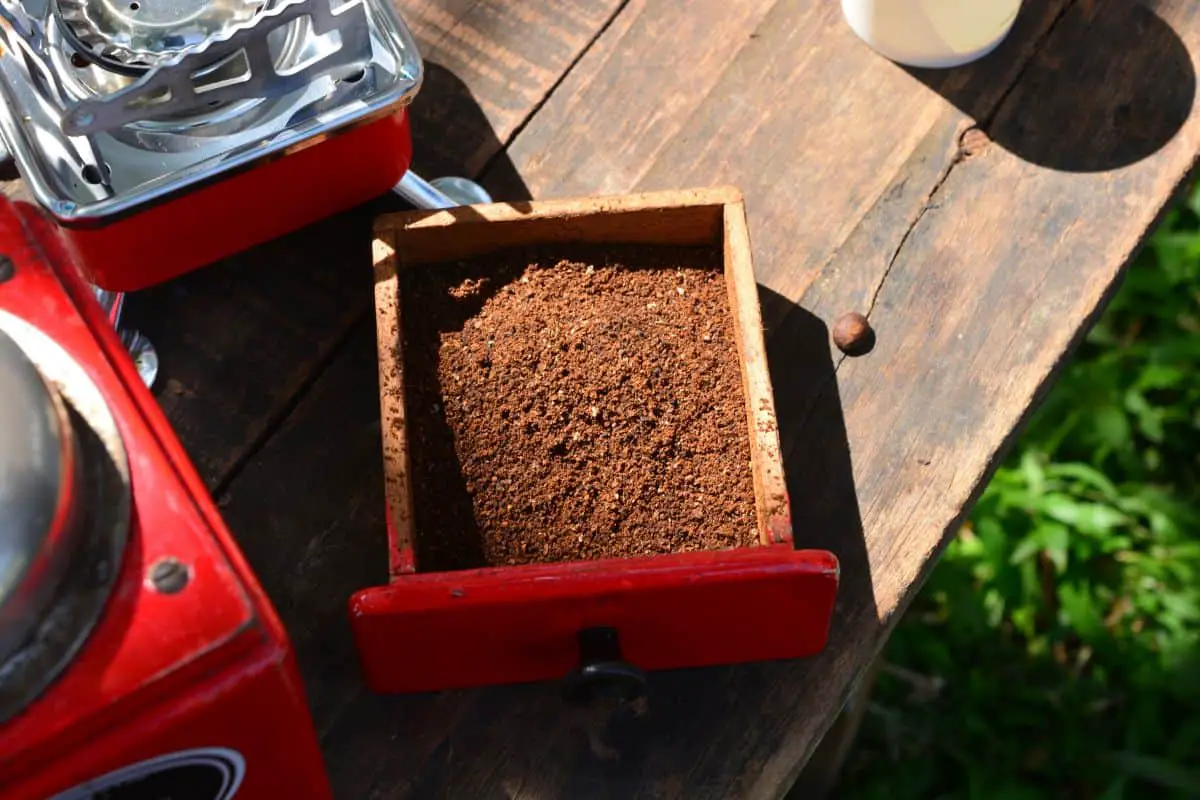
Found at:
[574, 403]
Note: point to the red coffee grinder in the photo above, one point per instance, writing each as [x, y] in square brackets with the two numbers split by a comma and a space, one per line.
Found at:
[161, 137]
[139, 658]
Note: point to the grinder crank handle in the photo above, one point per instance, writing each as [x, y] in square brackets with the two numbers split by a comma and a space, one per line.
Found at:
[447, 192]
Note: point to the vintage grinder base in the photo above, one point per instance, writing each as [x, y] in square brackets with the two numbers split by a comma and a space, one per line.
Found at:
[138, 655]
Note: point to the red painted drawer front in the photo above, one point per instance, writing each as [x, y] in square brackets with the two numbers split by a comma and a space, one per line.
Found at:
[508, 625]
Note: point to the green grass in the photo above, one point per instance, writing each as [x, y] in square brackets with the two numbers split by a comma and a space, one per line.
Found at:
[1055, 651]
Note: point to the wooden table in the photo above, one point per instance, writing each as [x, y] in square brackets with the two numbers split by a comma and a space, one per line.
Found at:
[980, 217]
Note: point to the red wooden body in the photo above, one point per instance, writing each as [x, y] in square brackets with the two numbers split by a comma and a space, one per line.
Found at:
[208, 667]
[517, 624]
[242, 210]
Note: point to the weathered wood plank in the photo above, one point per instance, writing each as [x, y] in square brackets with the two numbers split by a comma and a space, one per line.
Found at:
[499, 57]
[237, 340]
[632, 95]
[812, 126]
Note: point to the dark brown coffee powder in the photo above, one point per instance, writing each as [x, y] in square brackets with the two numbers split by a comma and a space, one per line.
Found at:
[574, 403]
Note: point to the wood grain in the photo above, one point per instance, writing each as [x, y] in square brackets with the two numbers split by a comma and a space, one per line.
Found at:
[397, 477]
[683, 216]
[808, 122]
[489, 64]
[770, 480]
[238, 340]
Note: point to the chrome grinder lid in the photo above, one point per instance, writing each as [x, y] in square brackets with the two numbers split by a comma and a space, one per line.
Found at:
[112, 105]
[139, 34]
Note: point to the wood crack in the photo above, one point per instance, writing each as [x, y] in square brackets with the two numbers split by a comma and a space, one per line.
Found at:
[961, 155]
[280, 415]
[928, 205]
[533, 111]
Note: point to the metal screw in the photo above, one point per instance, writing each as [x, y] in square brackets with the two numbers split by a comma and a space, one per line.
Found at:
[853, 335]
[7, 268]
[169, 575]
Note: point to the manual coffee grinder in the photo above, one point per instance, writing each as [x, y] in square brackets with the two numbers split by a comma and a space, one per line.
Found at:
[139, 657]
[163, 136]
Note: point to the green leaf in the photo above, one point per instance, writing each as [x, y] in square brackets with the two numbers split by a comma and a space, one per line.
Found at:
[1024, 619]
[1035, 475]
[1026, 549]
[1080, 610]
[1162, 376]
[1183, 606]
[1055, 540]
[1150, 418]
[1092, 518]
[1112, 427]
[1085, 474]
[1062, 507]
[1115, 544]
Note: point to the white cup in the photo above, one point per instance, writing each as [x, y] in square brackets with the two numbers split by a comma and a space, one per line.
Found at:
[932, 33]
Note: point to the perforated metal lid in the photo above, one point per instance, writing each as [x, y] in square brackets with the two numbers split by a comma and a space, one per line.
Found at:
[39, 481]
[138, 34]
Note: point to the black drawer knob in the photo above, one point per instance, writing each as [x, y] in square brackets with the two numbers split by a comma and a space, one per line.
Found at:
[602, 671]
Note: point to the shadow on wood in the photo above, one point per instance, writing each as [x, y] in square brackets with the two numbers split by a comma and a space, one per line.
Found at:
[432, 466]
[822, 775]
[1112, 84]
[820, 474]
[450, 130]
[825, 510]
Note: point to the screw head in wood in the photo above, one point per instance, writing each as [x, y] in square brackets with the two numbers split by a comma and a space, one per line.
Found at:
[853, 335]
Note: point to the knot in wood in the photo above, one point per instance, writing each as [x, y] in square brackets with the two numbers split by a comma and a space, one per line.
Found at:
[853, 335]
[972, 142]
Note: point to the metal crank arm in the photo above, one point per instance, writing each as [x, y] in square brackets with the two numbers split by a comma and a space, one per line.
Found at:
[144, 356]
[445, 192]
